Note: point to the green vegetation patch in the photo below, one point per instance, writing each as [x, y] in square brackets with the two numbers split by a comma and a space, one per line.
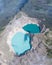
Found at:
[49, 38]
[49, 53]
[1, 29]
[48, 41]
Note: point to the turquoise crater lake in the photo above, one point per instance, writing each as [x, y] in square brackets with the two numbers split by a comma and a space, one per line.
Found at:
[20, 43]
[32, 28]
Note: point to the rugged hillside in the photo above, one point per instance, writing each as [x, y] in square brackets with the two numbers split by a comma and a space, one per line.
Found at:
[41, 9]
[34, 8]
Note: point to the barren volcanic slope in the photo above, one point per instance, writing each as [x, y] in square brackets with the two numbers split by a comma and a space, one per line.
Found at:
[33, 57]
[41, 9]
